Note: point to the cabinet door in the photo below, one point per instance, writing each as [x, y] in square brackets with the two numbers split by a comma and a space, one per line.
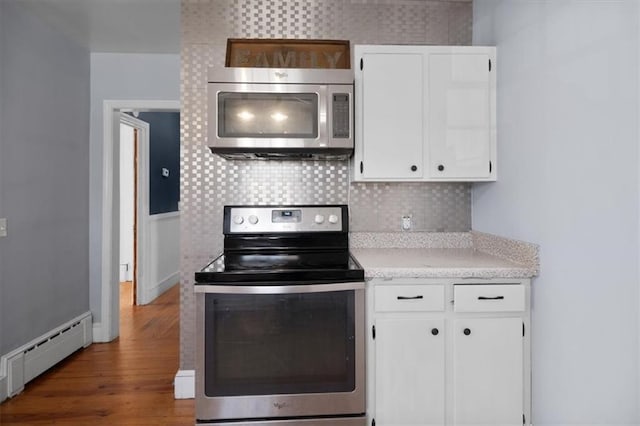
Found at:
[409, 372]
[459, 124]
[391, 114]
[488, 372]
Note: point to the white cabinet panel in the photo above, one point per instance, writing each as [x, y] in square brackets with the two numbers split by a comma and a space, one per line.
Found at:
[460, 119]
[409, 298]
[489, 298]
[488, 372]
[409, 372]
[392, 110]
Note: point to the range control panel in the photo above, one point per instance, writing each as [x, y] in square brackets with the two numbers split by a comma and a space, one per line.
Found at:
[269, 219]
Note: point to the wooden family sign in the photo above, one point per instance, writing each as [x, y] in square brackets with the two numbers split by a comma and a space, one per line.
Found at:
[285, 53]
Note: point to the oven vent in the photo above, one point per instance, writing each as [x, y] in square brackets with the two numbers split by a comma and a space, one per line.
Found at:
[29, 361]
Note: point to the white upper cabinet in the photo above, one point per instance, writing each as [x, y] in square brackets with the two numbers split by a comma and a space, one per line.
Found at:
[393, 109]
[425, 113]
[459, 122]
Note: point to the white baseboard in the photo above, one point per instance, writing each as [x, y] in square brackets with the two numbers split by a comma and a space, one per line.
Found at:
[184, 385]
[100, 335]
[25, 363]
[150, 294]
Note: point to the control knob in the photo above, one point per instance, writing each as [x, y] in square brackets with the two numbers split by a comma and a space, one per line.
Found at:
[238, 220]
[319, 219]
[333, 219]
[253, 219]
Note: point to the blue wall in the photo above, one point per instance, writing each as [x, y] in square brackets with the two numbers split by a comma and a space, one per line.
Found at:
[164, 152]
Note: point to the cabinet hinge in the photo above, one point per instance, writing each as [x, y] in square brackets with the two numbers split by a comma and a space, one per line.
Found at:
[489, 65]
[522, 329]
[361, 167]
[361, 64]
[373, 332]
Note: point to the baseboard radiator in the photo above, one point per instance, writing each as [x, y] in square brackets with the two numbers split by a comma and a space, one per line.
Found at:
[29, 361]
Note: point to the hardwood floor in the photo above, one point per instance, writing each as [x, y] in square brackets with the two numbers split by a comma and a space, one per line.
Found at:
[126, 382]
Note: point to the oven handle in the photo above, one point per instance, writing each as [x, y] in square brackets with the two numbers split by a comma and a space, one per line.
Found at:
[278, 289]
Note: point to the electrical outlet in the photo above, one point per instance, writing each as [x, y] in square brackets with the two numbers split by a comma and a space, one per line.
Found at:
[406, 222]
[3, 227]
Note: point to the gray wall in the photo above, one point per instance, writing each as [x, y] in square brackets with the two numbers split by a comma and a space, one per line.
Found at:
[44, 172]
[3, 38]
[209, 182]
[120, 76]
[568, 147]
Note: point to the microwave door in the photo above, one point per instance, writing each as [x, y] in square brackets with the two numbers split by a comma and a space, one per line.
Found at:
[280, 121]
[268, 115]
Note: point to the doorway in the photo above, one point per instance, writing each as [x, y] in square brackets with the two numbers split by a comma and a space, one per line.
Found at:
[109, 326]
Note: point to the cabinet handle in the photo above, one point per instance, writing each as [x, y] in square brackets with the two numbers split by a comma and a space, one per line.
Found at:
[467, 332]
[414, 168]
[490, 298]
[409, 297]
[440, 167]
[435, 331]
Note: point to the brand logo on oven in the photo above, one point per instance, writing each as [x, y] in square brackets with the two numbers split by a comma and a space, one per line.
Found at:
[279, 405]
[282, 75]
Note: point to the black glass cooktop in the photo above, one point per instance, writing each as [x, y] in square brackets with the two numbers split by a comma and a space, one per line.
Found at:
[276, 267]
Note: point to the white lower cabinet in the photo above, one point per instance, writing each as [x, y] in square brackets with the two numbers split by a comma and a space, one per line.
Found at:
[431, 362]
[488, 371]
[408, 389]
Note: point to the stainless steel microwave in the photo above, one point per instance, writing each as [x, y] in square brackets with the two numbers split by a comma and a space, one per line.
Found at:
[273, 113]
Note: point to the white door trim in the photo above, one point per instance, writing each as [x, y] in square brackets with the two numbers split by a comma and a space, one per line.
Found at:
[142, 201]
[109, 327]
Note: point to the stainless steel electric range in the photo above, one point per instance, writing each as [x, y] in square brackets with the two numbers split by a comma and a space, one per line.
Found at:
[280, 321]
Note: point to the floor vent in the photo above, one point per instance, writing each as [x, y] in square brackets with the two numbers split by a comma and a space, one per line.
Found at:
[37, 356]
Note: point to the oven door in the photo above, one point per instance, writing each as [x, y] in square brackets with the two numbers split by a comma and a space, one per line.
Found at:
[290, 351]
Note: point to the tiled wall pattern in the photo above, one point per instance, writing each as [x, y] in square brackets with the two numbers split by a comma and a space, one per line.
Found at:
[210, 182]
[379, 207]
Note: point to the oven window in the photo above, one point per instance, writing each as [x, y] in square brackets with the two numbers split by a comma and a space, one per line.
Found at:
[267, 115]
[279, 344]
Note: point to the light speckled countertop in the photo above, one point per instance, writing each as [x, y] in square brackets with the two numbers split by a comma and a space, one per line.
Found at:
[440, 255]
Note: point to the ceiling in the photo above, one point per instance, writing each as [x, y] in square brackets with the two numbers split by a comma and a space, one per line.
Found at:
[128, 26]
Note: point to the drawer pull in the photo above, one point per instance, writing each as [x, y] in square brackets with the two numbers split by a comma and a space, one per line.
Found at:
[490, 298]
[409, 297]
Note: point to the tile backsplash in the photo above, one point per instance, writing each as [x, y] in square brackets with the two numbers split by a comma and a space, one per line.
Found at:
[209, 182]
[379, 207]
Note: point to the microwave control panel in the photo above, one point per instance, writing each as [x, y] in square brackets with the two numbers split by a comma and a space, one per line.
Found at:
[341, 115]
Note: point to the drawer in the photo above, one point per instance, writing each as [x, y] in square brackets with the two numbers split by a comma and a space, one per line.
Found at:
[409, 298]
[488, 298]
